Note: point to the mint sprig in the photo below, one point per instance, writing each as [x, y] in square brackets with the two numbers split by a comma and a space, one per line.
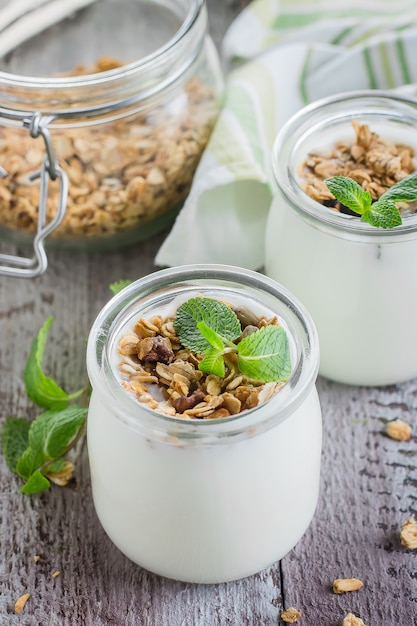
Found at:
[33, 449]
[42, 390]
[210, 328]
[382, 213]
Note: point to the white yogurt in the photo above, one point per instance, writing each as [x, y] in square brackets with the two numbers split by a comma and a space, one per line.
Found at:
[204, 500]
[359, 283]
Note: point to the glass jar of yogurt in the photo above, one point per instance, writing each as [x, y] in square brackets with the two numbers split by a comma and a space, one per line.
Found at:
[105, 109]
[204, 500]
[357, 281]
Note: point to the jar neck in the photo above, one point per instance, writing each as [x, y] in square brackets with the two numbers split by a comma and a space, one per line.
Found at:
[150, 294]
[132, 84]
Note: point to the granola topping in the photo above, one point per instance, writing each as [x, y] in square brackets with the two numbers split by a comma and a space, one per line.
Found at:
[375, 163]
[122, 173]
[164, 375]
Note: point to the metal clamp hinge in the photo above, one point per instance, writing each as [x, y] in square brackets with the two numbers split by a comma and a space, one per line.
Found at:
[24, 267]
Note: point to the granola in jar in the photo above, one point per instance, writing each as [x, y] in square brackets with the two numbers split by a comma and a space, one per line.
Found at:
[164, 375]
[372, 161]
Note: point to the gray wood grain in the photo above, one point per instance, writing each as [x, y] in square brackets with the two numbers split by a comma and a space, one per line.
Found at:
[368, 488]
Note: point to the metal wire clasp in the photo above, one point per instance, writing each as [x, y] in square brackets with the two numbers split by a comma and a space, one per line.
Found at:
[24, 267]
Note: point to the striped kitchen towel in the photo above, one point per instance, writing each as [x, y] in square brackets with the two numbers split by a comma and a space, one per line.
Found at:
[282, 55]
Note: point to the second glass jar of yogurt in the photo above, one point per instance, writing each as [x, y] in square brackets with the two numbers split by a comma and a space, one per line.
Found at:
[357, 281]
[204, 500]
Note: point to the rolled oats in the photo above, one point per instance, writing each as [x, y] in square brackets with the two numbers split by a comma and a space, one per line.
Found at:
[20, 603]
[187, 391]
[342, 585]
[122, 173]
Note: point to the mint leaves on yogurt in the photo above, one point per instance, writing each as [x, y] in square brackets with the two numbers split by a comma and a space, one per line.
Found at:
[383, 213]
[212, 329]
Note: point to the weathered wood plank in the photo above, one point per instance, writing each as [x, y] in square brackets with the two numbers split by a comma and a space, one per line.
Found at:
[98, 586]
[368, 490]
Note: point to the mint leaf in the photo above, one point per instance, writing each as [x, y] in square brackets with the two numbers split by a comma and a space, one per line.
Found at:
[403, 191]
[216, 315]
[14, 439]
[41, 389]
[349, 193]
[118, 285]
[383, 214]
[29, 461]
[264, 355]
[50, 435]
[56, 466]
[213, 363]
[36, 483]
[52, 431]
[210, 327]
[211, 336]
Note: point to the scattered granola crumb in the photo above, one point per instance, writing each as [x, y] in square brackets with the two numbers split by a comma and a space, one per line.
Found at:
[20, 603]
[398, 429]
[408, 534]
[352, 620]
[56, 574]
[36, 558]
[341, 585]
[63, 477]
[290, 615]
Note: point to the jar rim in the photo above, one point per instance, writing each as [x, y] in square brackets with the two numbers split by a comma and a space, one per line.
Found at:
[278, 408]
[338, 106]
[108, 76]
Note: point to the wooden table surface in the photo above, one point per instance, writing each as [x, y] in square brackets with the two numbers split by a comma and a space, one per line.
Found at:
[368, 487]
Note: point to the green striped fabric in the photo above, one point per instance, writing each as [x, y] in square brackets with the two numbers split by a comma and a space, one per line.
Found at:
[282, 55]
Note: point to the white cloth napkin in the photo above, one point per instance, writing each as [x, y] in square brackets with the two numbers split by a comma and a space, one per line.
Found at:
[287, 54]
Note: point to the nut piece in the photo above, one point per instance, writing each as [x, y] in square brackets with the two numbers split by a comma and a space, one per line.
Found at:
[408, 534]
[155, 349]
[399, 430]
[20, 603]
[290, 615]
[341, 585]
[184, 403]
[352, 620]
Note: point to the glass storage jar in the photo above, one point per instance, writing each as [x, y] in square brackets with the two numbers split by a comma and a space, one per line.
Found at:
[204, 500]
[357, 281]
[121, 96]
